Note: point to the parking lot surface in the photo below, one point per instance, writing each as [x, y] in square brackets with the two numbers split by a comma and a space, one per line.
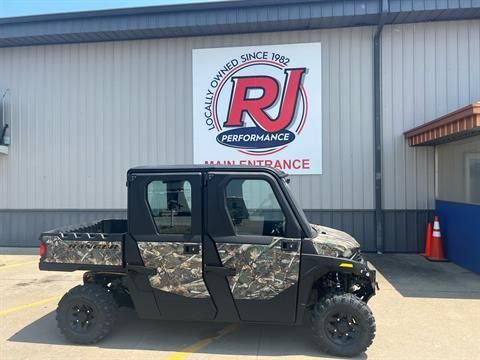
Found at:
[424, 310]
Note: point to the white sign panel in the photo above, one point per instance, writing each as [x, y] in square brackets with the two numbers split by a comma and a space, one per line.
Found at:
[259, 105]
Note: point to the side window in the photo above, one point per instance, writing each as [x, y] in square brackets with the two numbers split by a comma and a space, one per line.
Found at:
[254, 208]
[473, 177]
[170, 206]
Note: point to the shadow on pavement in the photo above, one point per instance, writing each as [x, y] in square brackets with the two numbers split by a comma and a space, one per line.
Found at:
[414, 276]
[134, 333]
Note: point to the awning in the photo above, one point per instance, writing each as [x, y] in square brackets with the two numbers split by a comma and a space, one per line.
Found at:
[456, 125]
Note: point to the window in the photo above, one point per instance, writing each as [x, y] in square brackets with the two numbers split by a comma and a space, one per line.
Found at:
[170, 205]
[473, 177]
[254, 208]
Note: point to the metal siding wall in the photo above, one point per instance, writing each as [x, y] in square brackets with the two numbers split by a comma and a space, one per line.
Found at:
[428, 70]
[405, 230]
[23, 227]
[358, 223]
[82, 114]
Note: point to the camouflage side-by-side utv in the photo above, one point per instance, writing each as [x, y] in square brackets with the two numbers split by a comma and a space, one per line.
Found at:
[213, 243]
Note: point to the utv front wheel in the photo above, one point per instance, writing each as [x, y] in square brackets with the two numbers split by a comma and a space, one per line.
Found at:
[87, 313]
[343, 325]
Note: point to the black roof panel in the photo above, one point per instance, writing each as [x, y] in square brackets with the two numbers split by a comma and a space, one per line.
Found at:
[206, 167]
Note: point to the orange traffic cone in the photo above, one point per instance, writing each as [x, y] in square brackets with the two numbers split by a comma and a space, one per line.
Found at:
[428, 241]
[436, 251]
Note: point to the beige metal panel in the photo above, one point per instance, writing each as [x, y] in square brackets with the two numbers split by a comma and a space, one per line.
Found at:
[82, 114]
[452, 170]
[428, 70]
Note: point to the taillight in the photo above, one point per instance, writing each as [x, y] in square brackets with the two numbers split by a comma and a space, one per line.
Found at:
[42, 249]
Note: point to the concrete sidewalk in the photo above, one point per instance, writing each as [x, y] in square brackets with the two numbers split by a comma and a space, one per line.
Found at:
[424, 310]
[4, 250]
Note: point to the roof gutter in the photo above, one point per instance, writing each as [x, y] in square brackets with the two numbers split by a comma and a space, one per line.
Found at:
[377, 110]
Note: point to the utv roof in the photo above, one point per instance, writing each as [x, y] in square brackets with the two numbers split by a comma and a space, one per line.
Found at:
[184, 168]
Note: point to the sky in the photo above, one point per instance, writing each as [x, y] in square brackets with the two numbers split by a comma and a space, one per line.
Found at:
[12, 8]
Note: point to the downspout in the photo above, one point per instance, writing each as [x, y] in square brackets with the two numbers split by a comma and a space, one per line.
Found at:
[377, 109]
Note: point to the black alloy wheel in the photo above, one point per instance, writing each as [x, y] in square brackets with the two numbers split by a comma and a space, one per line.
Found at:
[342, 328]
[82, 317]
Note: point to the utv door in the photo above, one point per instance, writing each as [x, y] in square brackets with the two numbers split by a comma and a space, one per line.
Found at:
[165, 212]
[257, 239]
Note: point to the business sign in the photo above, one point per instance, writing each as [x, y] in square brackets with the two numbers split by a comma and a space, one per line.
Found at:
[259, 105]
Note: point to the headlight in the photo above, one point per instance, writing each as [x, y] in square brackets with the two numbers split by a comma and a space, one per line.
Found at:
[348, 253]
[333, 250]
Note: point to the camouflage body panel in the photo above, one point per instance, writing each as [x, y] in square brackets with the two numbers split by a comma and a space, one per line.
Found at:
[89, 252]
[262, 271]
[332, 242]
[177, 273]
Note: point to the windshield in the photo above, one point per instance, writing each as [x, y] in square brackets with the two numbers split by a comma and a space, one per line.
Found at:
[303, 217]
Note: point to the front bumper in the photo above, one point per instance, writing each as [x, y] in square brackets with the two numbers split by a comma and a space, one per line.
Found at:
[366, 271]
[367, 277]
[373, 281]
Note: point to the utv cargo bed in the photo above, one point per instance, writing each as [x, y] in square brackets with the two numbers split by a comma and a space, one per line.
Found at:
[91, 246]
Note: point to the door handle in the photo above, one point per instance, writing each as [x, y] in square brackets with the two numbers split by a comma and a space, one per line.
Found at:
[220, 269]
[289, 245]
[191, 249]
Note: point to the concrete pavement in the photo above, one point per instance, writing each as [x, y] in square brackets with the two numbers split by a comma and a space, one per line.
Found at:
[423, 311]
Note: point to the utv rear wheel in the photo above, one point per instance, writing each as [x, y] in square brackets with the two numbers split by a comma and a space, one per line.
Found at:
[87, 313]
[343, 325]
